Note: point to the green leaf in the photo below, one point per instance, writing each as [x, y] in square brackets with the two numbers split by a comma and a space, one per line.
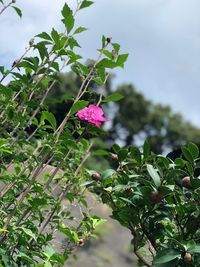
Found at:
[73, 43]
[45, 36]
[106, 63]
[86, 3]
[194, 249]
[78, 106]
[108, 173]
[68, 19]
[66, 11]
[18, 11]
[113, 97]
[28, 232]
[107, 53]
[49, 251]
[3, 230]
[70, 234]
[48, 264]
[2, 69]
[100, 152]
[166, 255]
[121, 60]
[87, 183]
[135, 154]
[122, 154]
[58, 258]
[154, 175]
[116, 47]
[25, 257]
[80, 29]
[50, 118]
[187, 154]
[194, 150]
[103, 41]
[146, 149]
[55, 36]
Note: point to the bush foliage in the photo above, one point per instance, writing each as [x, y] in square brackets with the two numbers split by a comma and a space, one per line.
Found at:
[156, 198]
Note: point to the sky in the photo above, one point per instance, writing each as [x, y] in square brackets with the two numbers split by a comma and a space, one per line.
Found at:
[162, 38]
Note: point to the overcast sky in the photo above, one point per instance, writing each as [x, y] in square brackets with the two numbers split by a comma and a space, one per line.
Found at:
[162, 38]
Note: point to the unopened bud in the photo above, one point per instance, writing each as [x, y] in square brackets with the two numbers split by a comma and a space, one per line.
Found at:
[114, 157]
[109, 39]
[31, 42]
[80, 242]
[114, 53]
[96, 176]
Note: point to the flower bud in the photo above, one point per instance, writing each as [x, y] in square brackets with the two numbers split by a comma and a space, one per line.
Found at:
[187, 257]
[186, 182]
[31, 42]
[114, 157]
[109, 39]
[96, 176]
[156, 197]
[81, 242]
[114, 53]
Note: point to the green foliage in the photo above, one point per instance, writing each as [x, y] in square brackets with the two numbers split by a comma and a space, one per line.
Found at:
[158, 200]
[42, 158]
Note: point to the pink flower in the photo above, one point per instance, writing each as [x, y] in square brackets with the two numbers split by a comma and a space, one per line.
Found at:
[92, 114]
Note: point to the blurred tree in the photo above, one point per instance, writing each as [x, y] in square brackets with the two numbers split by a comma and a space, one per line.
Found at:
[134, 118]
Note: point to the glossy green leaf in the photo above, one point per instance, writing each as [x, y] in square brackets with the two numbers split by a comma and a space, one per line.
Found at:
[166, 255]
[154, 175]
[194, 150]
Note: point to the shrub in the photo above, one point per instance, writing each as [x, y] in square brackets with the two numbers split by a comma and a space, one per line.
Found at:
[157, 199]
[35, 207]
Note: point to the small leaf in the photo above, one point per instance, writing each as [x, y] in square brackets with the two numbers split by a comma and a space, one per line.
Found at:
[187, 154]
[106, 63]
[68, 19]
[80, 29]
[66, 11]
[86, 3]
[100, 152]
[194, 249]
[45, 36]
[50, 118]
[116, 47]
[103, 41]
[166, 255]
[49, 251]
[154, 175]
[3, 230]
[194, 150]
[55, 36]
[28, 232]
[78, 106]
[113, 97]
[146, 149]
[108, 173]
[18, 11]
[121, 60]
[122, 154]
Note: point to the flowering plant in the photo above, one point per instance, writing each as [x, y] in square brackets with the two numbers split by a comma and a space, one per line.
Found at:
[92, 114]
[41, 160]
